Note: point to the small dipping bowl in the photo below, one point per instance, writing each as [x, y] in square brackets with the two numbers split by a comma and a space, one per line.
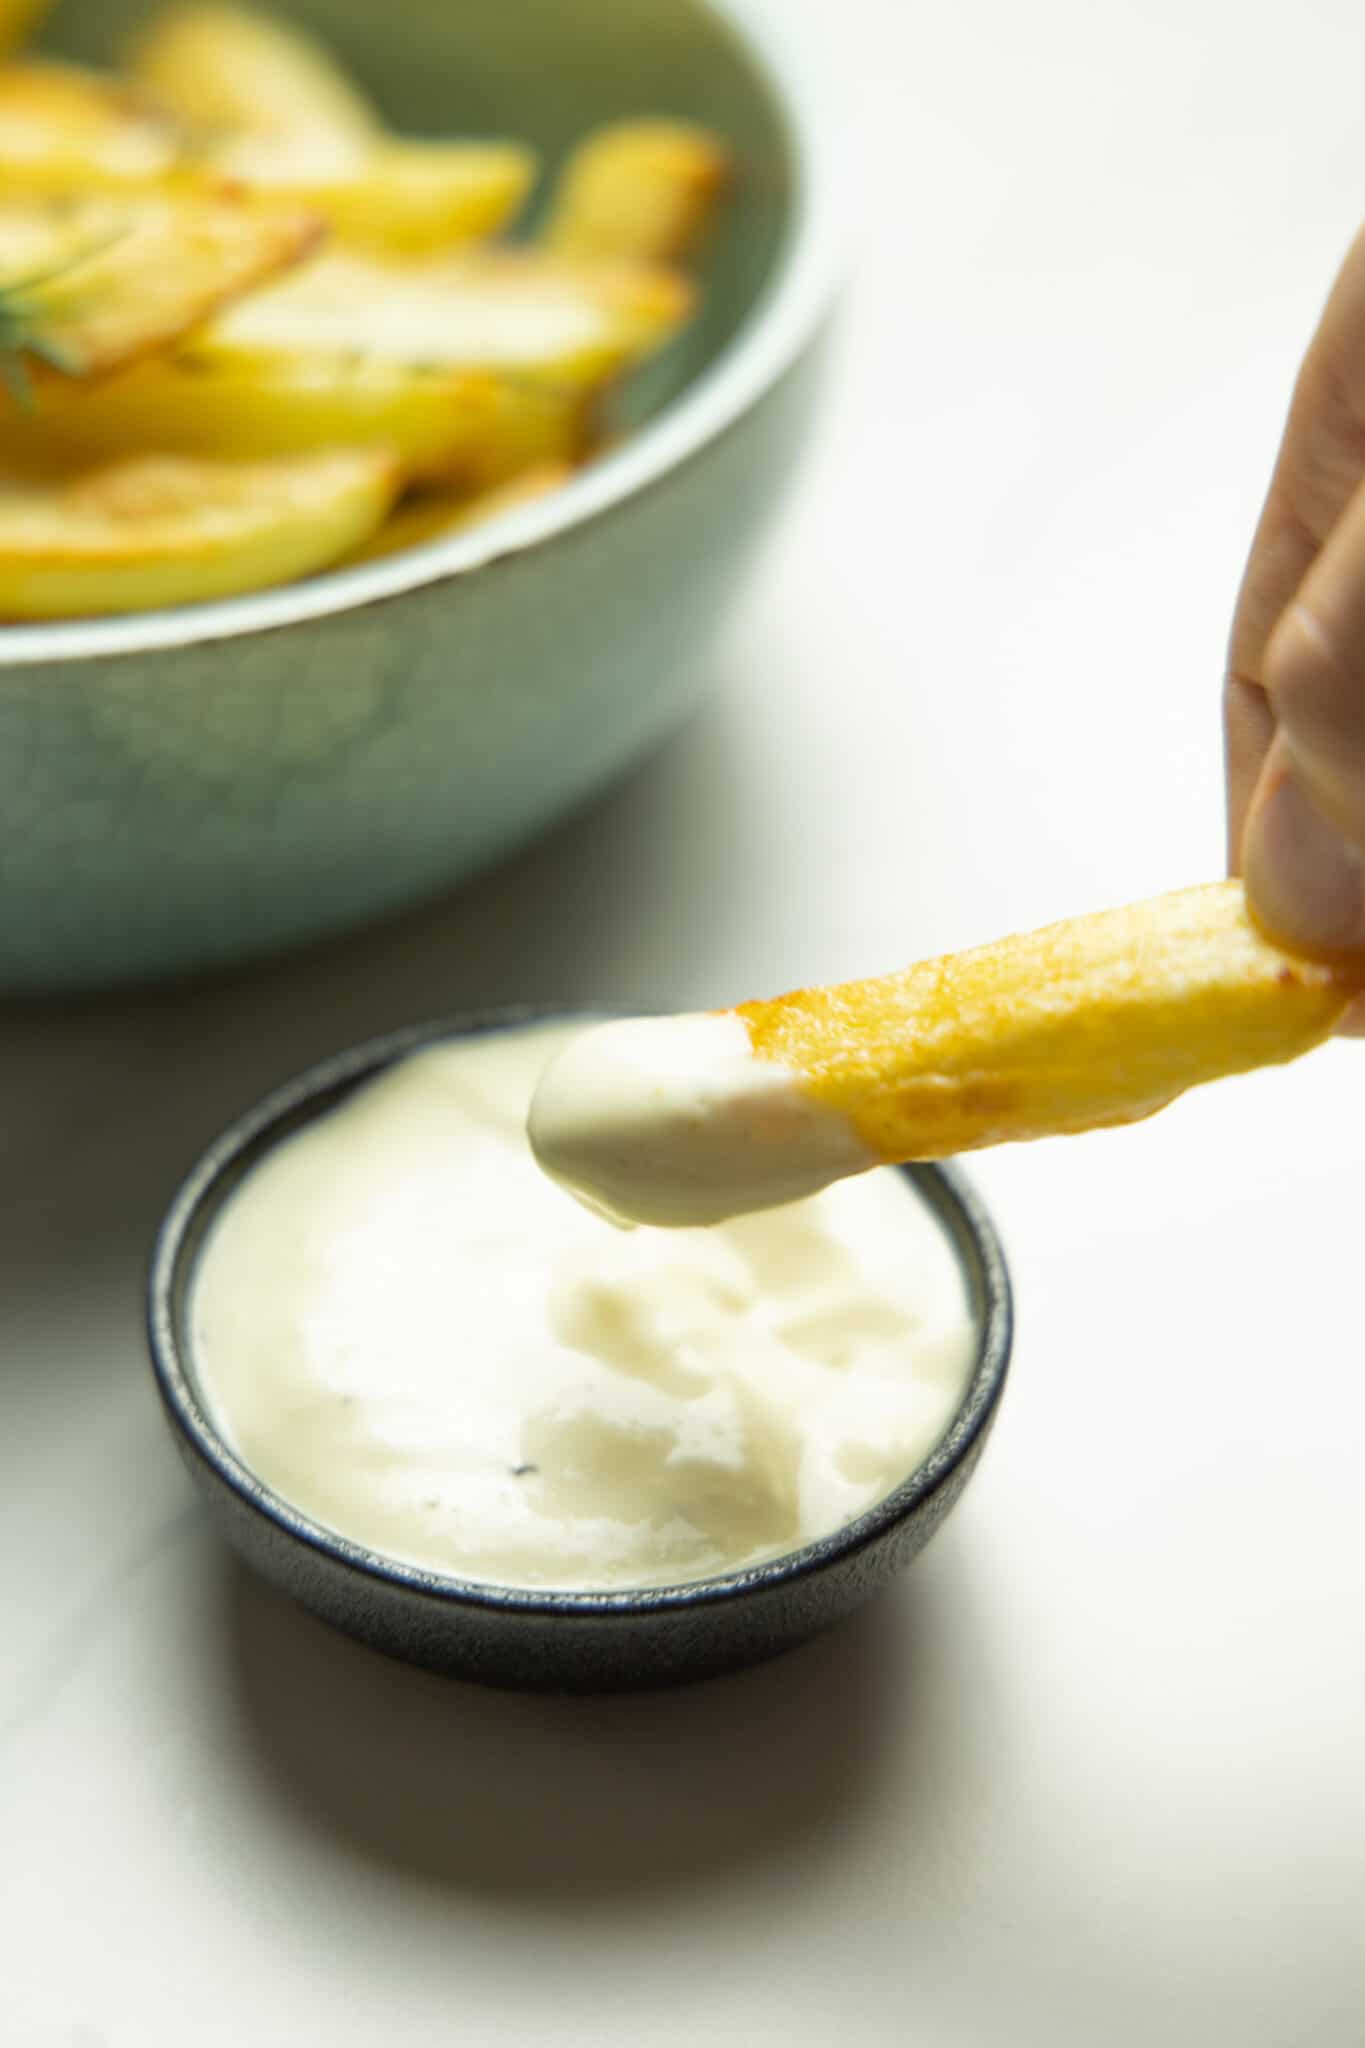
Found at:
[534, 1639]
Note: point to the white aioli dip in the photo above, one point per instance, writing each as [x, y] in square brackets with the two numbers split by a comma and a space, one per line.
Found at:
[675, 1121]
[412, 1335]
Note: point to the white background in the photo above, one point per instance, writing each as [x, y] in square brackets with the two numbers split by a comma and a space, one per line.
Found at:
[1094, 1774]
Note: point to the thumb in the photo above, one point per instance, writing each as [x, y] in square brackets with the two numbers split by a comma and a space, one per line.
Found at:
[1303, 850]
[1305, 880]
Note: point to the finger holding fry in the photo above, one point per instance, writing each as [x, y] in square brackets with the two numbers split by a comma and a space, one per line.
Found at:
[1303, 849]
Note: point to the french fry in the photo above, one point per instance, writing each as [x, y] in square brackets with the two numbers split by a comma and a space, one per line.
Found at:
[437, 423]
[547, 337]
[60, 125]
[532, 425]
[679, 1121]
[395, 197]
[147, 221]
[514, 312]
[435, 515]
[638, 191]
[90, 282]
[165, 530]
[1093, 1022]
[17, 19]
[224, 68]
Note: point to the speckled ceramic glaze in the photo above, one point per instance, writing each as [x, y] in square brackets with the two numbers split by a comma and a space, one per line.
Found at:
[552, 1642]
[184, 788]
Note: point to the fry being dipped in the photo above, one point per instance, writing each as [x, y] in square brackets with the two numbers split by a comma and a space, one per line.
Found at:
[1097, 1021]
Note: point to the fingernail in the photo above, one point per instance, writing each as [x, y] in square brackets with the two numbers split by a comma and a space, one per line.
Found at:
[1304, 882]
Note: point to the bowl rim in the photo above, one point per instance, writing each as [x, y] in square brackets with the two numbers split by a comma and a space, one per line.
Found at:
[955, 1204]
[788, 59]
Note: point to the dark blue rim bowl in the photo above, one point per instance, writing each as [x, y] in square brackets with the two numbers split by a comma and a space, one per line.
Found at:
[539, 1640]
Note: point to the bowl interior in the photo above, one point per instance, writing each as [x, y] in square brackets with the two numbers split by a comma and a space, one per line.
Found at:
[546, 71]
[213, 1180]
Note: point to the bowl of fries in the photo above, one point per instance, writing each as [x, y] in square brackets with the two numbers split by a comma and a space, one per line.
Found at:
[390, 400]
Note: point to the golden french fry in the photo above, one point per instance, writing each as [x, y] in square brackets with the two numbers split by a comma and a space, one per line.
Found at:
[467, 428]
[639, 191]
[434, 515]
[1093, 1022]
[513, 312]
[396, 197]
[224, 68]
[91, 281]
[437, 423]
[678, 1121]
[17, 19]
[531, 426]
[64, 126]
[149, 340]
[167, 530]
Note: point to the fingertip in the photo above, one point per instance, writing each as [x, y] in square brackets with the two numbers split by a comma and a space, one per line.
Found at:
[1305, 883]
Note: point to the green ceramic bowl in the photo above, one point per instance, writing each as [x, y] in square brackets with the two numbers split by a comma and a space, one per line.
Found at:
[189, 787]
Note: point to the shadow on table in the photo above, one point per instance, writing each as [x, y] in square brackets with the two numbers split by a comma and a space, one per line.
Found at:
[467, 1789]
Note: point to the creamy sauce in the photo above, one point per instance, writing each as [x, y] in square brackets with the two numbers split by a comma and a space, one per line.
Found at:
[675, 1121]
[410, 1333]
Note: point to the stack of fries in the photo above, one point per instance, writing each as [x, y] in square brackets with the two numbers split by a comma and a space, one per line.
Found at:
[247, 334]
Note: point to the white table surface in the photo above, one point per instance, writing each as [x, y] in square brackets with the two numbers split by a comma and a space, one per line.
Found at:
[1094, 1773]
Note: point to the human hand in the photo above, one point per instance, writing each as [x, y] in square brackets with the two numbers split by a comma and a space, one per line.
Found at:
[1294, 708]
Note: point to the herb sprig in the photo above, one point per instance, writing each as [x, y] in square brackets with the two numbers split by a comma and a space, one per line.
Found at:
[23, 312]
